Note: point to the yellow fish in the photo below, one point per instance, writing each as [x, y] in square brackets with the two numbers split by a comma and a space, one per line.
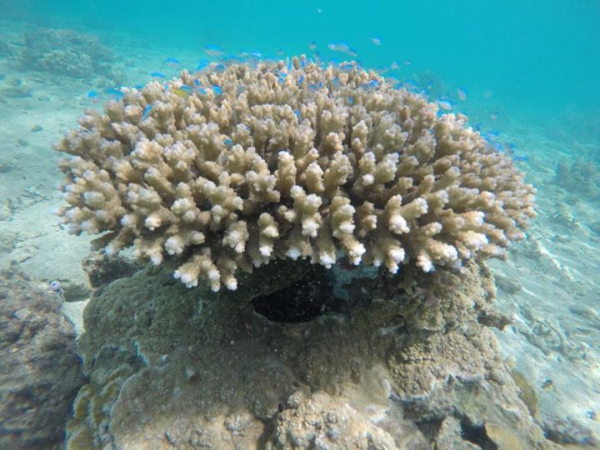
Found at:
[181, 93]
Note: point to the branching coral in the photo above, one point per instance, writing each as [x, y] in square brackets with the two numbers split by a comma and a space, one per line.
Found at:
[232, 167]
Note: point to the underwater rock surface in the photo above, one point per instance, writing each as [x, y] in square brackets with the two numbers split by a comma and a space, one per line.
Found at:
[400, 367]
[40, 373]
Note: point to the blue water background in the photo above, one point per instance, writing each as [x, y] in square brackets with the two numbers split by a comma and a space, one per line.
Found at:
[528, 57]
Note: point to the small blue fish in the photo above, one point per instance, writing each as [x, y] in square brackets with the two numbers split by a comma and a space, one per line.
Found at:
[343, 48]
[312, 45]
[92, 95]
[297, 113]
[138, 86]
[157, 75]
[392, 81]
[251, 54]
[462, 94]
[115, 92]
[370, 85]
[376, 41]
[489, 136]
[346, 66]
[445, 104]
[172, 62]
[351, 100]
[520, 158]
[219, 67]
[147, 111]
[202, 64]
[213, 50]
[217, 89]
[228, 142]
[334, 46]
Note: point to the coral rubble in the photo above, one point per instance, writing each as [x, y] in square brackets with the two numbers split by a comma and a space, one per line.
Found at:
[236, 166]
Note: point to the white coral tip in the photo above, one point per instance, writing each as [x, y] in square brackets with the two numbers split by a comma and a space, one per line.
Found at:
[293, 253]
[398, 224]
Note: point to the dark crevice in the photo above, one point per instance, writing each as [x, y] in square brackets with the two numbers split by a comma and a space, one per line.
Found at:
[430, 428]
[477, 435]
[304, 300]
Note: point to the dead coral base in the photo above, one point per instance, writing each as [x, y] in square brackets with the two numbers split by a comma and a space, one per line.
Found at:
[170, 366]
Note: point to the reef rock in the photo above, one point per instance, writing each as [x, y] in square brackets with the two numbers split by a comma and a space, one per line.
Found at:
[40, 373]
[387, 362]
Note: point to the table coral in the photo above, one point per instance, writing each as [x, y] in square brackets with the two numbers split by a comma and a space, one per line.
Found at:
[234, 166]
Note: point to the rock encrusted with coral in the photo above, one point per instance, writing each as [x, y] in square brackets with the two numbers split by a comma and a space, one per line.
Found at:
[171, 367]
[233, 167]
[40, 372]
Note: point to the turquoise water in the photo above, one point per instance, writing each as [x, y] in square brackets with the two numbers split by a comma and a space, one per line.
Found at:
[525, 72]
[535, 57]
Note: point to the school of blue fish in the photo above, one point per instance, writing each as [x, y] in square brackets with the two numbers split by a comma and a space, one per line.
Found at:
[217, 59]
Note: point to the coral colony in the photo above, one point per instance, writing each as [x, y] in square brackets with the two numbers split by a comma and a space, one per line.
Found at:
[231, 167]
